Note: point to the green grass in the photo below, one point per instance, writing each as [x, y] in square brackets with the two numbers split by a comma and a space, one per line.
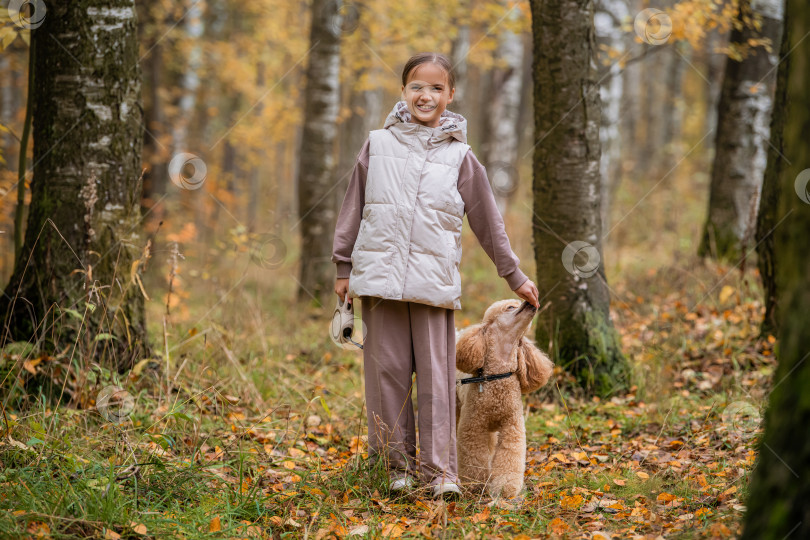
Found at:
[256, 429]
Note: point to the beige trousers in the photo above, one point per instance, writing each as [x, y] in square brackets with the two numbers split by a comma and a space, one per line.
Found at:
[403, 338]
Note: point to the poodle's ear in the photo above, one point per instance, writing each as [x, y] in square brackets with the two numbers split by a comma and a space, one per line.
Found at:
[534, 368]
[471, 349]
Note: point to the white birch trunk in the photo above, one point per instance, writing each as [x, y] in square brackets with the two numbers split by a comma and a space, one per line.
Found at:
[316, 177]
[501, 146]
[194, 27]
[608, 25]
[743, 130]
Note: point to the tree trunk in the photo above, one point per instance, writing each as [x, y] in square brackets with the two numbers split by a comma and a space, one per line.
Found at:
[458, 55]
[767, 218]
[82, 239]
[317, 161]
[567, 225]
[608, 25]
[155, 154]
[779, 501]
[500, 151]
[190, 81]
[366, 113]
[255, 192]
[742, 133]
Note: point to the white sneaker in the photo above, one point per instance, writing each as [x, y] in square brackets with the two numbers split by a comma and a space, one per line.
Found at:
[446, 490]
[400, 484]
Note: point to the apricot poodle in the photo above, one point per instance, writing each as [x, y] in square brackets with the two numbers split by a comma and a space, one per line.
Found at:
[500, 364]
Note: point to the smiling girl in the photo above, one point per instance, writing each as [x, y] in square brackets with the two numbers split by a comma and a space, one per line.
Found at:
[397, 247]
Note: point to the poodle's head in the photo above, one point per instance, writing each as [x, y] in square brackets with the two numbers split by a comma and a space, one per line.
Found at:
[499, 342]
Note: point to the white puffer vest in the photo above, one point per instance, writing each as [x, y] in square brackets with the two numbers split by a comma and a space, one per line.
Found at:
[409, 244]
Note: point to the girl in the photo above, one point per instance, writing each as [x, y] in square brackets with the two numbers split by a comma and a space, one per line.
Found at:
[397, 246]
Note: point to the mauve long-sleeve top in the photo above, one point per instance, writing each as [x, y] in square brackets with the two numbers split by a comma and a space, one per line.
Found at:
[479, 204]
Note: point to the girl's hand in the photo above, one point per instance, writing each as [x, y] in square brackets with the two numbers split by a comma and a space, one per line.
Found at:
[528, 291]
[342, 289]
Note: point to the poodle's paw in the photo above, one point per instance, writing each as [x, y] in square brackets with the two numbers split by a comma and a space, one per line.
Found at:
[506, 485]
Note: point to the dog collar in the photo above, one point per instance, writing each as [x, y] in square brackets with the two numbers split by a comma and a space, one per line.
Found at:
[486, 378]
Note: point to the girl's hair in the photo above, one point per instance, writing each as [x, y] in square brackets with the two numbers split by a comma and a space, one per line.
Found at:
[435, 58]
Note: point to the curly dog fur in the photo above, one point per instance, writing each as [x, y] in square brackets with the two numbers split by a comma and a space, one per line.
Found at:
[489, 416]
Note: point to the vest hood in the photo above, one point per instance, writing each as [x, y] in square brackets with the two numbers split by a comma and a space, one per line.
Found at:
[450, 124]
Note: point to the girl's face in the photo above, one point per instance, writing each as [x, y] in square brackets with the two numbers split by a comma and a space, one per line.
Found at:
[427, 94]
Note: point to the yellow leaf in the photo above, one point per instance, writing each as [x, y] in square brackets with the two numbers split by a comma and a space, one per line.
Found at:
[31, 365]
[139, 528]
[642, 475]
[288, 465]
[725, 293]
[618, 482]
[215, 525]
[110, 534]
[296, 453]
[571, 503]
[481, 516]
[557, 526]
[7, 35]
[392, 530]
[729, 491]
[665, 497]
[138, 368]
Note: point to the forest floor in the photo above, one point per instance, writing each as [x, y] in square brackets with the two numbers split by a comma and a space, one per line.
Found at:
[262, 431]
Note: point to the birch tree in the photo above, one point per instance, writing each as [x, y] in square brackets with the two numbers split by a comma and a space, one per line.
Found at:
[744, 113]
[459, 52]
[567, 229]
[608, 25]
[317, 159]
[82, 243]
[779, 500]
[500, 149]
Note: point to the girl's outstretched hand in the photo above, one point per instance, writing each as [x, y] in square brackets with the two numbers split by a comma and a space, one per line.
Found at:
[342, 288]
[528, 291]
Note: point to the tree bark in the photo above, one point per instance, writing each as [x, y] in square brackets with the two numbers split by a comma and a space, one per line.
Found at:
[82, 238]
[567, 222]
[742, 133]
[317, 160]
[779, 501]
[460, 50]
[190, 80]
[767, 217]
[608, 25]
[500, 149]
[155, 154]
